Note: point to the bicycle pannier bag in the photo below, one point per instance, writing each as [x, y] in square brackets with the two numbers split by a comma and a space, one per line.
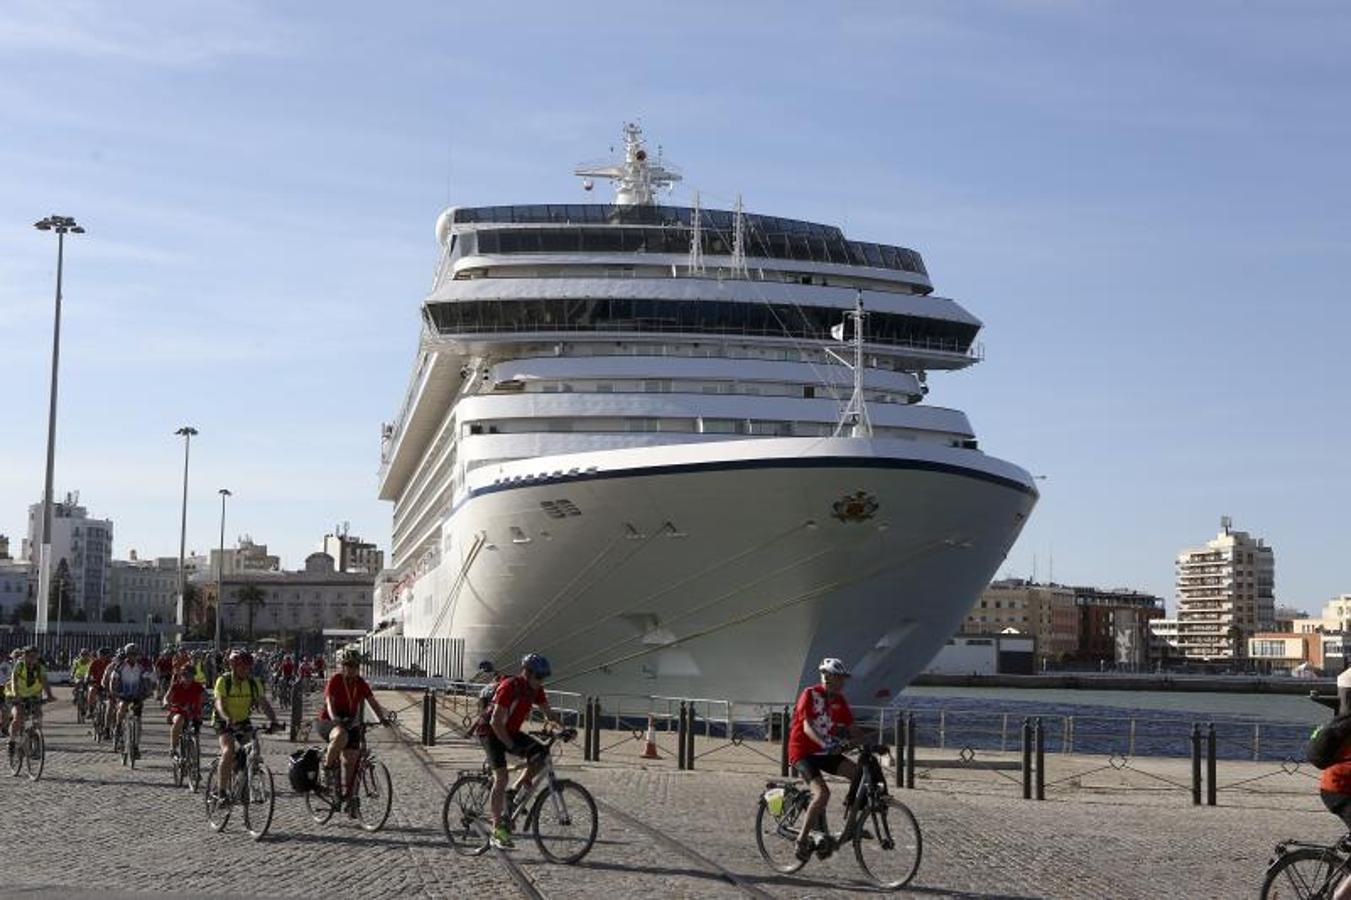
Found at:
[303, 771]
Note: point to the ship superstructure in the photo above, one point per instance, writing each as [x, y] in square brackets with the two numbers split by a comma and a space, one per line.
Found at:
[637, 439]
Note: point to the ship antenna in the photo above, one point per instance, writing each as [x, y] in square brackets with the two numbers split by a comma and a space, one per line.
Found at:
[696, 238]
[855, 413]
[637, 180]
[739, 243]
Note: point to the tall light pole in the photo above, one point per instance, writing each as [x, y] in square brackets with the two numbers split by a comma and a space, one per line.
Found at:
[62, 225]
[220, 567]
[187, 432]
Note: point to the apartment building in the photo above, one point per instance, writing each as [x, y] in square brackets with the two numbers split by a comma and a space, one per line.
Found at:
[1225, 594]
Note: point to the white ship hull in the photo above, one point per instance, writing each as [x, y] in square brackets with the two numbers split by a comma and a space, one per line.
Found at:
[723, 570]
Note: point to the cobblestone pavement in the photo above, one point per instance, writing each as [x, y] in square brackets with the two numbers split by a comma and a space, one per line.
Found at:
[134, 833]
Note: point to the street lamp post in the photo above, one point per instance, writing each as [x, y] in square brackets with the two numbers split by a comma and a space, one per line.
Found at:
[220, 565]
[62, 225]
[187, 432]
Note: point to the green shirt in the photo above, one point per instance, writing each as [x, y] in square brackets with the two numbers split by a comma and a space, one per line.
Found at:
[237, 696]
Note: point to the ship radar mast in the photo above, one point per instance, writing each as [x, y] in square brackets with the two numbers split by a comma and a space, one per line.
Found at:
[638, 179]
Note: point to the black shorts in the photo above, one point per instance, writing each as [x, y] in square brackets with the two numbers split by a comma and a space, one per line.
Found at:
[324, 727]
[811, 766]
[222, 728]
[521, 745]
[1338, 804]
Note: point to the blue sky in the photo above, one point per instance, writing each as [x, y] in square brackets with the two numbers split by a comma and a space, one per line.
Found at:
[1147, 204]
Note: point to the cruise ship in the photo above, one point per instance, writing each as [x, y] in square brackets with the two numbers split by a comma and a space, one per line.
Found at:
[686, 451]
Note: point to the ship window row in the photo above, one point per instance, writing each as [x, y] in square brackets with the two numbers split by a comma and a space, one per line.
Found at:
[665, 425]
[800, 247]
[610, 214]
[705, 350]
[692, 386]
[692, 316]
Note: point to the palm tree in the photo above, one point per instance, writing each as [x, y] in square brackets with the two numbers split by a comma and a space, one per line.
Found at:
[252, 597]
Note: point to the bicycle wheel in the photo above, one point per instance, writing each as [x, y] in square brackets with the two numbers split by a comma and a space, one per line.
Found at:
[887, 843]
[564, 821]
[1306, 872]
[259, 801]
[319, 802]
[16, 761]
[217, 807]
[375, 795]
[36, 755]
[464, 818]
[776, 836]
[121, 742]
[194, 763]
[133, 744]
[180, 762]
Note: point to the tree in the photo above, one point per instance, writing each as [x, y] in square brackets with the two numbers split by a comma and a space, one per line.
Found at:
[58, 598]
[112, 613]
[252, 597]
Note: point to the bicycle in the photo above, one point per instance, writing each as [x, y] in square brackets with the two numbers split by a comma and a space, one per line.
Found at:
[251, 785]
[562, 817]
[128, 741]
[885, 834]
[30, 750]
[81, 702]
[368, 799]
[187, 762]
[1307, 871]
[100, 720]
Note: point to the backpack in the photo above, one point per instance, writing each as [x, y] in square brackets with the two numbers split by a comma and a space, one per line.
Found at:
[1325, 744]
[303, 770]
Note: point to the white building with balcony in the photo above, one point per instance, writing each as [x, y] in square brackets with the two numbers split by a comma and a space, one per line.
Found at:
[83, 544]
[1224, 595]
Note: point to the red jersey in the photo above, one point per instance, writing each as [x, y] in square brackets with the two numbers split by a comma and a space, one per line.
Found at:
[827, 712]
[514, 695]
[97, 668]
[288, 669]
[186, 698]
[165, 665]
[347, 698]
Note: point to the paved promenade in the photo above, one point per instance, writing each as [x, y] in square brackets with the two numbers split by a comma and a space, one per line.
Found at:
[92, 828]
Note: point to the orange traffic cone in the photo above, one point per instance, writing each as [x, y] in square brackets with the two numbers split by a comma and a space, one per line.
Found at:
[650, 748]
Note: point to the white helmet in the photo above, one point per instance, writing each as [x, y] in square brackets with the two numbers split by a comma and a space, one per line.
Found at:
[1344, 680]
[832, 666]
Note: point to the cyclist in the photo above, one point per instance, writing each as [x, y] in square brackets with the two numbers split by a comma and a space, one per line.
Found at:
[7, 661]
[500, 734]
[237, 692]
[820, 719]
[183, 703]
[93, 679]
[129, 683]
[27, 682]
[319, 665]
[343, 698]
[79, 668]
[164, 672]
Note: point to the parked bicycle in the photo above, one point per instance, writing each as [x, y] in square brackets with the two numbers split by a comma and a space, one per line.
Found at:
[370, 796]
[251, 786]
[1307, 871]
[885, 834]
[562, 817]
[30, 750]
[187, 761]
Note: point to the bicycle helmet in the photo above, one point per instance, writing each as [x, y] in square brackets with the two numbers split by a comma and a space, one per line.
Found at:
[351, 657]
[486, 667]
[84, 651]
[536, 665]
[130, 649]
[832, 666]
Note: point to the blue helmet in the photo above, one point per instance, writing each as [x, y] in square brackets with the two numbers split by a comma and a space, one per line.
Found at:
[536, 665]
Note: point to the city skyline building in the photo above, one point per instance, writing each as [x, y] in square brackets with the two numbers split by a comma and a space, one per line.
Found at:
[315, 598]
[84, 544]
[1225, 594]
[352, 554]
[142, 589]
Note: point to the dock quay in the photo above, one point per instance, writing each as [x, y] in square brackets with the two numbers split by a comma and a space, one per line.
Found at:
[1108, 827]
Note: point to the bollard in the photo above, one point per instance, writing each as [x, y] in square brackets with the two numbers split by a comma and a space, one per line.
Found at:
[430, 700]
[689, 736]
[1210, 764]
[297, 711]
[910, 750]
[596, 734]
[1196, 764]
[1039, 744]
[680, 737]
[1027, 758]
[899, 757]
[783, 744]
[587, 719]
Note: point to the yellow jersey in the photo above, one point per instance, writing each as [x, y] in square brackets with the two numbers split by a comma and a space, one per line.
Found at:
[25, 682]
[237, 695]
